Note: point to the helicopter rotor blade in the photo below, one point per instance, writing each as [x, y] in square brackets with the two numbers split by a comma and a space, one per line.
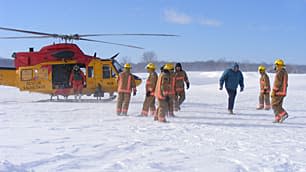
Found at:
[30, 32]
[25, 37]
[114, 56]
[127, 34]
[105, 42]
[77, 36]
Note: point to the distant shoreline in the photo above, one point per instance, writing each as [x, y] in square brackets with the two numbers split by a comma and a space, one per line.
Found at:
[209, 65]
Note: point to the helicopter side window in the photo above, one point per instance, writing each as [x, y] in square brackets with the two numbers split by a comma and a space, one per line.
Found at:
[83, 69]
[90, 72]
[106, 71]
[26, 75]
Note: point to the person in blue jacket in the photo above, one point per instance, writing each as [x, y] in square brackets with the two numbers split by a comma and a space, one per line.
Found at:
[232, 77]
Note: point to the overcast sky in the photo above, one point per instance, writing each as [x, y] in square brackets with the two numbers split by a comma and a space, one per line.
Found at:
[239, 30]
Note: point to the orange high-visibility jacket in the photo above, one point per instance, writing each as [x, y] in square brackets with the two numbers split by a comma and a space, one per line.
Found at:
[264, 83]
[180, 77]
[151, 83]
[280, 83]
[172, 84]
[126, 82]
[163, 86]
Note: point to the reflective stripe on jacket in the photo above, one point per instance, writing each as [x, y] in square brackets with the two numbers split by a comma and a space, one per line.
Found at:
[180, 77]
[151, 83]
[162, 86]
[172, 83]
[126, 82]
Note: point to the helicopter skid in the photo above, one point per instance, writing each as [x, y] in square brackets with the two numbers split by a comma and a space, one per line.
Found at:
[79, 100]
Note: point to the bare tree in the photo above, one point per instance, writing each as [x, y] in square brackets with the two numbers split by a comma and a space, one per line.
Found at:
[125, 59]
[149, 56]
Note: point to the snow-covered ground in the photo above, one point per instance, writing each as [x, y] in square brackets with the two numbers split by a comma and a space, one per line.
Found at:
[53, 136]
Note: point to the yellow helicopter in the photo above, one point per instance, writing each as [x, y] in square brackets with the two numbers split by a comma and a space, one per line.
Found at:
[48, 70]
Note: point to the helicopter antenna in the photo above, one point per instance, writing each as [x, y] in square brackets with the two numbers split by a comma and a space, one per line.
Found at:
[72, 37]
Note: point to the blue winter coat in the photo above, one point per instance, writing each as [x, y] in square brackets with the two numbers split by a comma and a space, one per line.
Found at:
[232, 79]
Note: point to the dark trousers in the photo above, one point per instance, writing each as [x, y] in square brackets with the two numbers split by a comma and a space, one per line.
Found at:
[231, 98]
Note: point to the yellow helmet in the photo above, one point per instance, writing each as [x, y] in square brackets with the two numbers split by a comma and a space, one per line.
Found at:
[171, 66]
[151, 66]
[261, 68]
[128, 66]
[279, 62]
[168, 66]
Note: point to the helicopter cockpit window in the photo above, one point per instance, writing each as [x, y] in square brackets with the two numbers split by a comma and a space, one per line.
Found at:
[90, 72]
[118, 66]
[106, 71]
[26, 75]
[83, 69]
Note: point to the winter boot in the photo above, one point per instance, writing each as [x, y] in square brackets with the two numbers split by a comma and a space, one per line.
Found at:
[230, 111]
[277, 118]
[282, 118]
[267, 107]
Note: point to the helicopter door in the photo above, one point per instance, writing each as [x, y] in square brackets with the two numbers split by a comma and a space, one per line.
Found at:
[108, 78]
[61, 75]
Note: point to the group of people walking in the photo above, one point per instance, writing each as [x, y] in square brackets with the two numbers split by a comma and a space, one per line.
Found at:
[168, 88]
[233, 77]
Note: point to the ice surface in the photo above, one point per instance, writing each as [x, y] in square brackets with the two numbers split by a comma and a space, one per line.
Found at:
[53, 136]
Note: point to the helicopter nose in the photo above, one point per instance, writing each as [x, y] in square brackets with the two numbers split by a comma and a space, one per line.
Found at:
[137, 77]
[137, 80]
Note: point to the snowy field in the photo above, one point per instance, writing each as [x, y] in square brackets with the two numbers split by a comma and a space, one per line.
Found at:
[53, 136]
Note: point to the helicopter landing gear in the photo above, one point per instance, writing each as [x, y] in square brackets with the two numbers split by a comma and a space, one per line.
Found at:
[77, 97]
[112, 96]
[51, 98]
[99, 92]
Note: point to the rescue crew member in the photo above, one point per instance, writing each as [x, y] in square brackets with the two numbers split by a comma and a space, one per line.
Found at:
[181, 78]
[279, 91]
[126, 84]
[172, 91]
[149, 103]
[264, 95]
[162, 93]
[77, 81]
[232, 77]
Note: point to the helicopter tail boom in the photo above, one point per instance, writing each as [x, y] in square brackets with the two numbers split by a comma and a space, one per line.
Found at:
[8, 76]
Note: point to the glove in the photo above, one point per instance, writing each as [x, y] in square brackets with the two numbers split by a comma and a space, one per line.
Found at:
[134, 93]
[241, 89]
[148, 94]
[187, 85]
[221, 88]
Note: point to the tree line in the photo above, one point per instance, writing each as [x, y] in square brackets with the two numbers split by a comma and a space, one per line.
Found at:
[208, 65]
